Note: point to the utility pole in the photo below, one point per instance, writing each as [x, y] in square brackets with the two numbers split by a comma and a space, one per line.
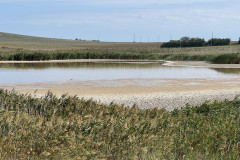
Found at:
[148, 38]
[212, 40]
[134, 36]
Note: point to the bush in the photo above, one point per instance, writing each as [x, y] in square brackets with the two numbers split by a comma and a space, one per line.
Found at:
[195, 42]
[171, 44]
[184, 42]
[219, 42]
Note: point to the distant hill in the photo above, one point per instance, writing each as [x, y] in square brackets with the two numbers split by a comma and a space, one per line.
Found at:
[15, 41]
[17, 37]
[23, 41]
[30, 42]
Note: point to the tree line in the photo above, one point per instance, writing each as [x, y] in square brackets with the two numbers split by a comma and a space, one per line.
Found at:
[196, 42]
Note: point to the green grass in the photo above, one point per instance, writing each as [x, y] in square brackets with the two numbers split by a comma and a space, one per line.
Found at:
[73, 128]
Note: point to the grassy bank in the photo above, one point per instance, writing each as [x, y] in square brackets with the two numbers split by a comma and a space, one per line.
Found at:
[227, 59]
[72, 128]
[214, 55]
[30, 55]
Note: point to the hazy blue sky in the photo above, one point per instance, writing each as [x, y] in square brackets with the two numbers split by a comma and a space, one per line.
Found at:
[118, 20]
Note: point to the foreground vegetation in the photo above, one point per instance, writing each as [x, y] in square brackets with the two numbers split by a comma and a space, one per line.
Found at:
[73, 128]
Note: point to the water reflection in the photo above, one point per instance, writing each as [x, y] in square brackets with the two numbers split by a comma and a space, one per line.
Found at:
[95, 71]
[25, 66]
[228, 70]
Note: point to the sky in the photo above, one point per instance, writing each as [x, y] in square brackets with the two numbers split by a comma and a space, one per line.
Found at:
[122, 20]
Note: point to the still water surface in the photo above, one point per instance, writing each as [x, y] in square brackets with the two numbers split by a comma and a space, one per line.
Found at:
[91, 71]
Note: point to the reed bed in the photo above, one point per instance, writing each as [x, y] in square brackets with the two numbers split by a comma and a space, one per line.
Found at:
[71, 128]
[211, 54]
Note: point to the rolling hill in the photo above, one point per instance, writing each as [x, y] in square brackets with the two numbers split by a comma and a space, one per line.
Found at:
[15, 41]
[9, 40]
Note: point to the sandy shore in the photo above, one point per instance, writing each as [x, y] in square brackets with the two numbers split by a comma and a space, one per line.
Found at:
[167, 100]
[160, 93]
[169, 94]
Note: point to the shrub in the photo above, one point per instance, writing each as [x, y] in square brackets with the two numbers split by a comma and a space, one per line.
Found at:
[195, 42]
[219, 42]
[184, 42]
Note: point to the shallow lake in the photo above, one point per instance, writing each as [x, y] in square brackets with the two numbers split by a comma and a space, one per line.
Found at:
[94, 71]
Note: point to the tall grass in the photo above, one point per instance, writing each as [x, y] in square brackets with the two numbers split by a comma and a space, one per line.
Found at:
[73, 128]
[227, 59]
[214, 55]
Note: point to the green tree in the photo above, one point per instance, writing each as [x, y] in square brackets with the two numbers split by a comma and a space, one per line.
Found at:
[219, 41]
[185, 39]
[184, 42]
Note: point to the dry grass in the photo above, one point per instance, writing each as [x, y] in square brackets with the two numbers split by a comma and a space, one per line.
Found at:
[72, 128]
[13, 41]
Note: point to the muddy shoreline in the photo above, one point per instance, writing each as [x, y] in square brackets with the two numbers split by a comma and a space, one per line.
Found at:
[166, 93]
[169, 94]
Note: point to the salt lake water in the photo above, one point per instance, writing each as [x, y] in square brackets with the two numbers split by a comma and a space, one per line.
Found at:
[95, 71]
